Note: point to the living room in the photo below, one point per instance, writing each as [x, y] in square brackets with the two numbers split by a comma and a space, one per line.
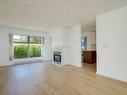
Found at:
[41, 47]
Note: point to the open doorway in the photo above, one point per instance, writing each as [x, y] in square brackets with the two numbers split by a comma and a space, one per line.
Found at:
[88, 47]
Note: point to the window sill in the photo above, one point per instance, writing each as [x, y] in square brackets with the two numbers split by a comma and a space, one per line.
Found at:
[27, 60]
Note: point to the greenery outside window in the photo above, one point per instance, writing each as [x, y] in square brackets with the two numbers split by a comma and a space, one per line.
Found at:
[26, 46]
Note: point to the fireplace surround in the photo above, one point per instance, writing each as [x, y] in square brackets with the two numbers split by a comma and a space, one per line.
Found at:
[57, 57]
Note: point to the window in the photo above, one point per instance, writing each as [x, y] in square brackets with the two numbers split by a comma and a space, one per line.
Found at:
[26, 46]
[35, 47]
[18, 38]
[84, 43]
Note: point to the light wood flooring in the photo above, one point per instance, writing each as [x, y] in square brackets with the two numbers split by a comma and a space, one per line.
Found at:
[47, 79]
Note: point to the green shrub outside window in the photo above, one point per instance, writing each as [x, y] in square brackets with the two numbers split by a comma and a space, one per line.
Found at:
[26, 46]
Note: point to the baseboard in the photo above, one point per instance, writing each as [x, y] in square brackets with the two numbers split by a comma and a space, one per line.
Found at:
[5, 65]
[111, 77]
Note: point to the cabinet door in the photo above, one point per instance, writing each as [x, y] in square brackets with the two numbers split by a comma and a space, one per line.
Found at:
[90, 56]
[87, 56]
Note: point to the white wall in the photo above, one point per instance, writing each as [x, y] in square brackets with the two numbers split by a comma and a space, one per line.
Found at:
[4, 41]
[75, 46]
[112, 44]
[4, 51]
[48, 49]
[66, 46]
[57, 35]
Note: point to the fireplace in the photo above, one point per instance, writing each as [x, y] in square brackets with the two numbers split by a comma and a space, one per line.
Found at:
[57, 57]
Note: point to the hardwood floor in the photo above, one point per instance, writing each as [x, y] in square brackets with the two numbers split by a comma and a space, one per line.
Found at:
[89, 67]
[47, 79]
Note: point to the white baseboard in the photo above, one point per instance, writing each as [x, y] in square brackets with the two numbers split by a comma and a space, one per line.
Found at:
[111, 76]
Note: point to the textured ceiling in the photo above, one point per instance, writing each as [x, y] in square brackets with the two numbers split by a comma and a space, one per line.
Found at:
[41, 14]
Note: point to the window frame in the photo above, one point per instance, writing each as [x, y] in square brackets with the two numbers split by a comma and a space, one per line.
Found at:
[28, 43]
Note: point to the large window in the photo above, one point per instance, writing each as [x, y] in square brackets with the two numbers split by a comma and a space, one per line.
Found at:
[26, 46]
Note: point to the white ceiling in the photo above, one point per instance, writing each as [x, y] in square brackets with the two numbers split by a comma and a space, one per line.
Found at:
[42, 14]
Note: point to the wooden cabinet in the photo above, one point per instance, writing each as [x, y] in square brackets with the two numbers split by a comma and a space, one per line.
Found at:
[89, 56]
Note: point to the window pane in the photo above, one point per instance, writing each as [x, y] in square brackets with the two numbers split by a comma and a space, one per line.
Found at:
[18, 38]
[20, 50]
[35, 40]
[84, 43]
[26, 46]
[35, 50]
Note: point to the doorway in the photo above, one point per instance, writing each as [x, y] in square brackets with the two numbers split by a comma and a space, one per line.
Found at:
[88, 47]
